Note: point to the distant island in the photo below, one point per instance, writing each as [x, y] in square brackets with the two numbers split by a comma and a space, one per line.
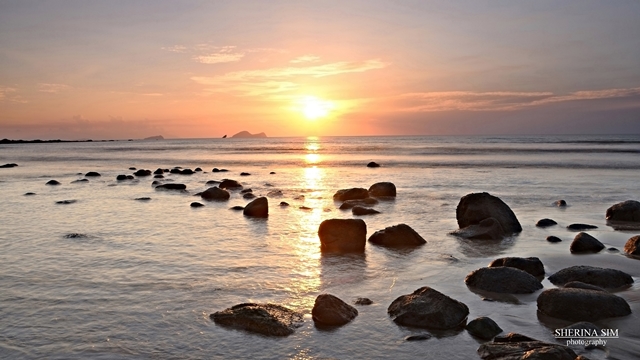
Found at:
[157, 137]
[246, 134]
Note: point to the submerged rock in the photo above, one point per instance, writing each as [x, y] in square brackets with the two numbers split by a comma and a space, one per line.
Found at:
[196, 204]
[121, 177]
[418, 337]
[560, 203]
[503, 280]
[257, 208]
[342, 235]
[237, 208]
[520, 347]
[373, 164]
[29, 194]
[484, 328]
[66, 202]
[602, 277]
[532, 265]
[428, 308]
[487, 229]
[580, 227]
[284, 203]
[553, 239]
[5, 166]
[330, 310]
[351, 194]
[145, 198]
[543, 223]
[244, 174]
[53, 182]
[187, 172]
[349, 204]
[581, 305]
[628, 211]
[476, 207]
[92, 174]
[80, 181]
[265, 319]
[382, 189]
[248, 195]
[363, 301]
[215, 193]
[361, 211]
[585, 243]
[400, 235]
[171, 187]
[581, 285]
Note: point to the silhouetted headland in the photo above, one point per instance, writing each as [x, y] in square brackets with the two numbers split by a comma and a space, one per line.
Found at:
[246, 134]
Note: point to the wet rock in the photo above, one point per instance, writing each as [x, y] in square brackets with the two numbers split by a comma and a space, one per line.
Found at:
[244, 191]
[171, 186]
[543, 223]
[265, 319]
[186, 172]
[330, 310]
[363, 301]
[506, 280]
[212, 182]
[418, 337]
[484, 328]
[257, 208]
[585, 243]
[230, 184]
[351, 194]
[475, 207]
[581, 305]
[612, 249]
[92, 174]
[142, 172]
[505, 348]
[80, 181]
[237, 208]
[244, 174]
[382, 189]
[175, 171]
[428, 308]
[560, 203]
[29, 194]
[284, 203]
[196, 204]
[306, 208]
[248, 196]
[66, 202]
[602, 277]
[487, 229]
[400, 235]
[532, 265]
[581, 285]
[158, 171]
[553, 239]
[274, 193]
[373, 164]
[121, 177]
[219, 170]
[155, 183]
[145, 198]
[632, 246]
[5, 166]
[53, 182]
[349, 204]
[132, 168]
[215, 193]
[130, 177]
[197, 169]
[628, 211]
[342, 235]
[158, 176]
[272, 173]
[360, 211]
[580, 227]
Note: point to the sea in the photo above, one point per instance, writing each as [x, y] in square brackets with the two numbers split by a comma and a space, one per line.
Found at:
[106, 276]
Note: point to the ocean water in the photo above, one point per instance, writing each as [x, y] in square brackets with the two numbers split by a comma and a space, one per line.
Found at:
[140, 278]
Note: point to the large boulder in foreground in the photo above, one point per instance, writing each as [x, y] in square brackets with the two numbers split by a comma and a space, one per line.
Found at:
[632, 247]
[602, 277]
[532, 265]
[625, 211]
[257, 208]
[330, 310]
[475, 207]
[351, 194]
[428, 308]
[215, 193]
[342, 235]
[516, 347]
[581, 304]
[265, 319]
[382, 189]
[400, 235]
[506, 280]
[487, 229]
[585, 243]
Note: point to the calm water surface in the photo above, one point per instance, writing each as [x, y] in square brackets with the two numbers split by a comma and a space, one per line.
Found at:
[142, 277]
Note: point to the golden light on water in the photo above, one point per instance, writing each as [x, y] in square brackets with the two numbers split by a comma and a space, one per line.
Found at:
[312, 146]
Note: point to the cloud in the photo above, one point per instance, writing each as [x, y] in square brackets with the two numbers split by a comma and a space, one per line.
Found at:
[218, 58]
[305, 59]
[10, 94]
[5, 92]
[52, 88]
[175, 48]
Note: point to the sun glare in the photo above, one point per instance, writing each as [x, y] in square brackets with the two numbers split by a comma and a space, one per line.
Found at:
[315, 108]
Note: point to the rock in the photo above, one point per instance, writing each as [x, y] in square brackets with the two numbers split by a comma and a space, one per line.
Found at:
[532, 265]
[212, 182]
[272, 173]
[29, 194]
[265, 319]
[602, 277]
[248, 196]
[80, 181]
[363, 301]
[628, 211]
[612, 249]
[382, 189]
[187, 172]
[158, 176]
[428, 308]
[360, 211]
[418, 337]
[632, 246]
[53, 182]
[484, 328]
[487, 229]
[284, 203]
[543, 223]
[171, 186]
[503, 280]
[244, 174]
[196, 204]
[76, 236]
[121, 177]
[275, 193]
[351, 194]
[529, 349]
[66, 202]
[215, 193]
[92, 174]
[237, 208]
[5, 166]
[306, 208]
[155, 183]
[342, 235]
[373, 164]
[257, 208]
[330, 310]
[175, 171]
[215, 170]
[230, 184]
[145, 198]
[130, 177]
[400, 235]
[475, 207]
[581, 305]
[553, 239]
[198, 169]
[358, 202]
[585, 243]
[158, 171]
[142, 172]
[246, 134]
[580, 227]
[132, 168]
[581, 285]
[560, 203]
[244, 191]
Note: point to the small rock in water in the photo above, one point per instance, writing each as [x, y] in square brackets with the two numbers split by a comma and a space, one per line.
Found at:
[330, 310]
[503, 280]
[418, 337]
[230, 184]
[628, 211]
[581, 305]
[65, 202]
[198, 169]
[545, 223]
[428, 308]
[248, 196]
[373, 164]
[53, 182]
[187, 172]
[244, 174]
[612, 249]
[272, 173]
[401, 235]
[257, 208]
[171, 187]
[585, 243]
[29, 194]
[215, 193]
[351, 194]
[580, 227]
[265, 319]
[275, 193]
[212, 182]
[76, 236]
[560, 203]
[5, 166]
[361, 211]
[237, 208]
[158, 176]
[196, 204]
[132, 168]
[121, 177]
[484, 328]
[245, 191]
[553, 239]
[159, 171]
[175, 171]
[382, 189]
[284, 203]
[305, 208]
[142, 172]
[92, 173]
[80, 181]
[363, 301]
[145, 198]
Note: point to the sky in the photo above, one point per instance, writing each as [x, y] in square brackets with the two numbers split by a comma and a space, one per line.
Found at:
[123, 69]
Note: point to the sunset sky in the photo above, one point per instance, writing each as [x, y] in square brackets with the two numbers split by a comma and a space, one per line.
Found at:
[129, 69]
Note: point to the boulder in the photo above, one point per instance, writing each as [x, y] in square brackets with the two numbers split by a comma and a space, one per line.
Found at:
[553, 239]
[244, 191]
[363, 301]
[158, 176]
[158, 171]
[585, 243]
[229, 184]
[400, 235]
[5, 166]
[602, 277]
[560, 203]
[121, 177]
[580, 227]
[342, 235]
[248, 195]
[505, 280]
[628, 211]
[581, 304]
[196, 204]
[215, 193]
[265, 319]
[484, 328]
[581, 285]
[632, 246]
[358, 202]
[373, 164]
[487, 229]
[53, 182]
[532, 265]
[244, 174]
[92, 174]
[132, 168]
[543, 223]
[272, 173]
[360, 211]
[330, 310]
[142, 172]
[175, 170]
[198, 169]
[171, 186]
[475, 207]
[428, 308]
[187, 172]
[382, 189]
[517, 347]
[351, 194]
[257, 208]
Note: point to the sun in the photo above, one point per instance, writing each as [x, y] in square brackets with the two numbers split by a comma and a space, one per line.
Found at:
[314, 108]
